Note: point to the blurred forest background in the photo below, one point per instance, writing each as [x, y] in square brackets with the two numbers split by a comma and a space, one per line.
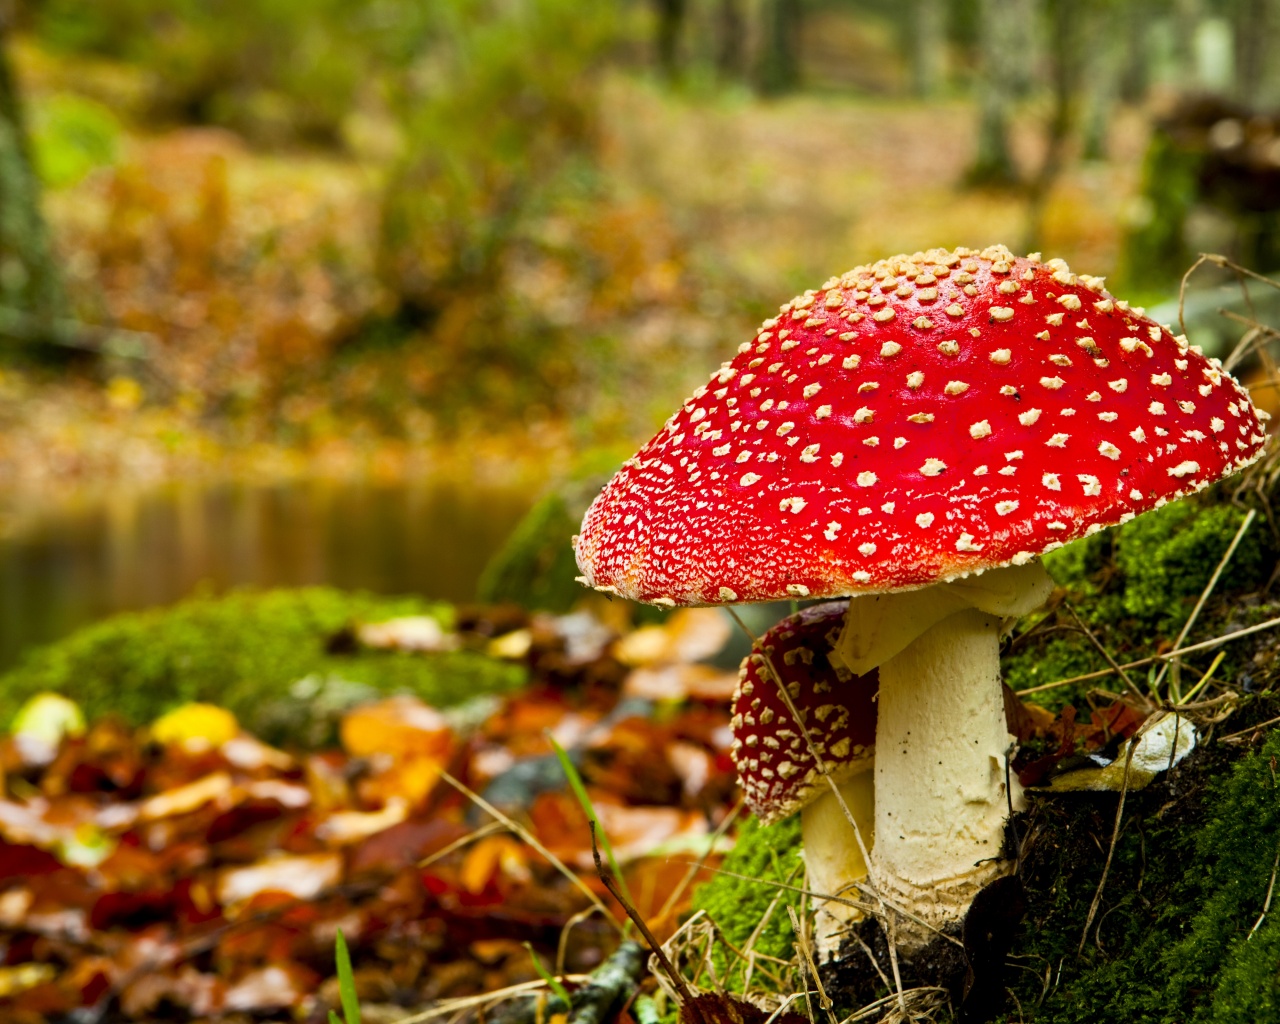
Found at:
[400, 240]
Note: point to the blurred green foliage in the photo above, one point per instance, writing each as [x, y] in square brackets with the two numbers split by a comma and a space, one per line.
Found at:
[71, 136]
[244, 652]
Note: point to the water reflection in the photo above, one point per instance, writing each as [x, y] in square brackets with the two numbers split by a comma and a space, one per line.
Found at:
[72, 565]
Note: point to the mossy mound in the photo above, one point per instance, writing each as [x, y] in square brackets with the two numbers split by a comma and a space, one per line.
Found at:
[1171, 940]
[243, 652]
[1135, 585]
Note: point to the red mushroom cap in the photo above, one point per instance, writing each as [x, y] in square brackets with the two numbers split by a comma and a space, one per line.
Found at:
[912, 422]
[775, 765]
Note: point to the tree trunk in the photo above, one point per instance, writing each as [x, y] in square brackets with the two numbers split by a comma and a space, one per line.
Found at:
[1003, 44]
[927, 46]
[1105, 69]
[780, 46]
[730, 44]
[29, 280]
[1254, 22]
[1066, 36]
[670, 28]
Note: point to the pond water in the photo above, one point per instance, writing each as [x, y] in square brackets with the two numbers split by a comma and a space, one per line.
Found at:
[71, 564]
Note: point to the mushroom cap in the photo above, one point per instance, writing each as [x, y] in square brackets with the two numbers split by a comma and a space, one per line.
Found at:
[911, 422]
[775, 765]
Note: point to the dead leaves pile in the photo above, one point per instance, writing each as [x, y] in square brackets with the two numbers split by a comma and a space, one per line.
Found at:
[188, 870]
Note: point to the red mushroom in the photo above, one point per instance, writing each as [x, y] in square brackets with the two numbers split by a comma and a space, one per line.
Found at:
[924, 420]
[776, 761]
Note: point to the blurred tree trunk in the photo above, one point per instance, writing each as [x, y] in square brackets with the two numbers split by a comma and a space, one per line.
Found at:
[1131, 20]
[1004, 32]
[1254, 22]
[780, 46]
[1186, 21]
[1105, 68]
[927, 45]
[29, 280]
[1066, 32]
[731, 26]
[670, 28]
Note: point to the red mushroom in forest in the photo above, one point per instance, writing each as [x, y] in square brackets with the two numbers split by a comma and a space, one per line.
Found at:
[914, 434]
[827, 713]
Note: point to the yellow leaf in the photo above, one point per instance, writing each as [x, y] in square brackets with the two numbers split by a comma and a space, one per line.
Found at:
[195, 726]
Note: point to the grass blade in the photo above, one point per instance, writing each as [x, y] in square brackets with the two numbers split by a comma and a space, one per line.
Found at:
[548, 977]
[580, 791]
[346, 982]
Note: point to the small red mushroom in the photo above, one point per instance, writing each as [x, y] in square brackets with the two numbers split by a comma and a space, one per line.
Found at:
[942, 418]
[775, 759]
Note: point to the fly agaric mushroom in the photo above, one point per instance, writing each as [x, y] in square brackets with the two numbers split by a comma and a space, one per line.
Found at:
[919, 431]
[776, 761]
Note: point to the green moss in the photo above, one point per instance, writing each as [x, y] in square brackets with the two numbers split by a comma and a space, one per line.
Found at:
[535, 566]
[1188, 880]
[244, 651]
[765, 856]
[1135, 585]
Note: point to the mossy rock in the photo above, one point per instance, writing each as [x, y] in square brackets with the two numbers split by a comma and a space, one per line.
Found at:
[245, 651]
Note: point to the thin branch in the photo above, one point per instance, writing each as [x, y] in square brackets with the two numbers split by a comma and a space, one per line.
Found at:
[1206, 645]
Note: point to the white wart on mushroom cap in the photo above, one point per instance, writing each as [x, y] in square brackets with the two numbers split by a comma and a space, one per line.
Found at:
[913, 421]
[778, 771]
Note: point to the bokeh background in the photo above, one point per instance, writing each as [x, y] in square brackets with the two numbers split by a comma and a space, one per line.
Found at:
[334, 291]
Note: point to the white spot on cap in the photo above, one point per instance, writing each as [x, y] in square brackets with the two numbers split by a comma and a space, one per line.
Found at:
[1069, 301]
[1050, 480]
[899, 442]
[979, 430]
[915, 379]
[728, 595]
[810, 453]
[1162, 380]
[956, 387]
[1138, 434]
[1217, 425]
[1005, 507]
[864, 415]
[889, 348]
[1118, 386]
[868, 549]
[1135, 494]
[792, 505]
[1184, 469]
[1001, 313]
[866, 478]
[965, 543]
[932, 467]
[1108, 417]
[811, 389]
[924, 519]
[1058, 441]
[1156, 408]
[1029, 417]
[1000, 355]
[1108, 450]
[822, 412]
[862, 576]
[1092, 485]
[832, 529]
[1052, 383]
[796, 590]
[748, 479]
[837, 459]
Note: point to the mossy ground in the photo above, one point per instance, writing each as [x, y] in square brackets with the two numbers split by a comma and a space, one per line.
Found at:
[245, 651]
[1171, 940]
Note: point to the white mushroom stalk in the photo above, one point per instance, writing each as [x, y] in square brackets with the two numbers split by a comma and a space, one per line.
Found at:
[942, 785]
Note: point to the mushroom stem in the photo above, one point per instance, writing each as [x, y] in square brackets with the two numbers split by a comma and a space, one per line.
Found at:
[941, 799]
[941, 796]
[833, 858]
